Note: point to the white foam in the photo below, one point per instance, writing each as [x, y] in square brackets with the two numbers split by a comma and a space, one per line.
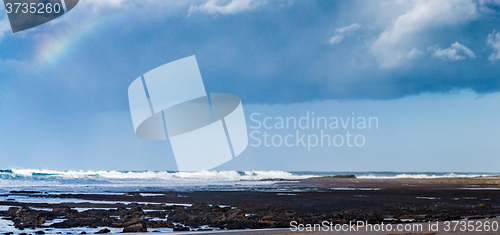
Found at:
[40, 209]
[7, 226]
[224, 175]
[5, 208]
[157, 219]
[82, 209]
[54, 221]
[178, 204]
[147, 210]
[350, 189]
[151, 194]
[116, 181]
[428, 198]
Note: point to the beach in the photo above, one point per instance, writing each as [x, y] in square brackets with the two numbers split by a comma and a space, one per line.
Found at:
[267, 204]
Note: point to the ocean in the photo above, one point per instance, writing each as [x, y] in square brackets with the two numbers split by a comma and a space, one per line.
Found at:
[120, 181]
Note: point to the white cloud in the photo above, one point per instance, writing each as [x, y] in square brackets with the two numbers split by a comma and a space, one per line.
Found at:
[107, 2]
[226, 7]
[89, 10]
[414, 53]
[193, 6]
[493, 41]
[137, 5]
[455, 52]
[396, 42]
[342, 32]
[93, 10]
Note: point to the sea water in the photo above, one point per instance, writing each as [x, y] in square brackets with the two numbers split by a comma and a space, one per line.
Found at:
[126, 181]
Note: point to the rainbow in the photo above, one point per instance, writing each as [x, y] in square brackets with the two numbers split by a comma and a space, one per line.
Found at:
[55, 49]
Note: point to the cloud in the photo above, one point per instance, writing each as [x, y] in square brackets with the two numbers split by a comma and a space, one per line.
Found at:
[342, 32]
[414, 53]
[276, 55]
[455, 52]
[493, 41]
[207, 6]
[107, 2]
[396, 42]
[225, 7]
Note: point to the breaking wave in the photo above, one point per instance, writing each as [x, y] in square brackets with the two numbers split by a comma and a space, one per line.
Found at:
[110, 181]
[13, 174]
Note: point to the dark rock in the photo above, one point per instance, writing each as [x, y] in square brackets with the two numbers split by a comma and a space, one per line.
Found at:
[446, 217]
[344, 176]
[103, 231]
[62, 210]
[131, 222]
[23, 209]
[159, 224]
[9, 233]
[181, 228]
[25, 192]
[12, 210]
[135, 228]
[39, 232]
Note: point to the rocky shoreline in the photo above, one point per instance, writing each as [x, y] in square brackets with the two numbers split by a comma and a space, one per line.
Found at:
[335, 199]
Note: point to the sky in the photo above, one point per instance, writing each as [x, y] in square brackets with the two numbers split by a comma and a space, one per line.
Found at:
[428, 70]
